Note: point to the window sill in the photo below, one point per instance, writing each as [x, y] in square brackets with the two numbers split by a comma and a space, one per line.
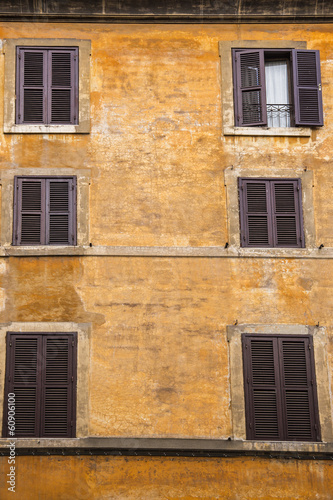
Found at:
[83, 128]
[267, 131]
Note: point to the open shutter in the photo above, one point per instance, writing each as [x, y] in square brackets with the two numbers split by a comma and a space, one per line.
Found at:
[31, 85]
[250, 88]
[62, 85]
[261, 379]
[58, 386]
[22, 379]
[287, 213]
[307, 88]
[255, 213]
[29, 211]
[61, 197]
[298, 386]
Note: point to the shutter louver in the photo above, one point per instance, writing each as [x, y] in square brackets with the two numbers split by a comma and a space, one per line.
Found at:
[296, 375]
[280, 399]
[62, 87]
[307, 88]
[31, 213]
[255, 213]
[250, 88]
[47, 86]
[41, 372]
[32, 86]
[60, 229]
[286, 213]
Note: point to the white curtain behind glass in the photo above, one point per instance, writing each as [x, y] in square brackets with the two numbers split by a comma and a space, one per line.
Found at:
[277, 92]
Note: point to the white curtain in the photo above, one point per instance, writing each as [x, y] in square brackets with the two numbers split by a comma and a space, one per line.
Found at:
[277, 92]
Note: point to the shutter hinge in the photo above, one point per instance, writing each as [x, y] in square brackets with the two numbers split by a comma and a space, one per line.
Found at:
[297, 188]
[73, 343]
[10, 344]
[309, 347]
[19, 117]
[72, 379]
[250, 425]
[72, 187]
[319, 87]
[19, 56]
[311, 382]
[315, 426]
[248, 380]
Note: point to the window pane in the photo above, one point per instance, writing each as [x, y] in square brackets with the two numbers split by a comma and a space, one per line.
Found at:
[277, 94]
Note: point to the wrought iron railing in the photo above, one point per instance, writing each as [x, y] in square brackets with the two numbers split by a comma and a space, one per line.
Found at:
[279, 115]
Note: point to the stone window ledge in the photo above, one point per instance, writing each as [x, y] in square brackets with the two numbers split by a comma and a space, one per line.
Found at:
[268, 131]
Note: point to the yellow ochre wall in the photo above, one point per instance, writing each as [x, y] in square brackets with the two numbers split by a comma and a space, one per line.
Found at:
[159, 359]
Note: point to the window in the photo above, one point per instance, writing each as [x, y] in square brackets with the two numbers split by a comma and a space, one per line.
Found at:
[41, 373]
[44, 211]
[277, 88]
[280, 388]
[270, 212]
[47, 85]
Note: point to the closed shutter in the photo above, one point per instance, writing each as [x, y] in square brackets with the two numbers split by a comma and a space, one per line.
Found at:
[44, 211]
[307, 88]
[41, 372]
[255, 212]
[280, 389]
[271, 213]
[286, 206]
[250, 89]
[47, 86]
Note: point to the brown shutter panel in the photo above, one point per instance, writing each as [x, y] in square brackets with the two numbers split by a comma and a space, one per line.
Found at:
[58, 386]
[41, 372]
[31, 85]
[250, 88]
[255, 213]
[298, 385]
[22, 379]
[63, 86]
[61, 217]
[307, 88]
[29, 211]
[287, 213]
[261, 382]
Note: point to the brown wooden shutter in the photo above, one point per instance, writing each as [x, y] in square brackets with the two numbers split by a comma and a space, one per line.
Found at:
[307, 88]
[287, 213]
[250, 89]
[31, 85]
[271, 213]
[41, 372]
[44, 211]
[255, 213]
[47, 85]
[280, 388]
[63, 86]
[60, 207]
[29, 211]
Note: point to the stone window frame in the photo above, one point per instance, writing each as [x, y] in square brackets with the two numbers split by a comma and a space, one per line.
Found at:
[83, 125]
[231, 175]
[83, 356]
[7, 209]
[237, 396]
[227, 89]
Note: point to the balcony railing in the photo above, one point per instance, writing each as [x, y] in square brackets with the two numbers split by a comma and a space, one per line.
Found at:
[279, 115]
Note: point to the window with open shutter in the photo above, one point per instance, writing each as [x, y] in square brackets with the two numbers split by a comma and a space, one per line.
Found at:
[280, 388]
[47, 85]
[41, 373]
[277, 87]
[44, 211]
[271, 213]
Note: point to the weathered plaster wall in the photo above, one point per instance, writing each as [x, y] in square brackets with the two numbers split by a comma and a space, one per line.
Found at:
[153, 478]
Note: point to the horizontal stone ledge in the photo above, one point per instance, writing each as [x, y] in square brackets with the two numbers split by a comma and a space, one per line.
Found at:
[166, 251]
[167, 447]
[168, 18]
